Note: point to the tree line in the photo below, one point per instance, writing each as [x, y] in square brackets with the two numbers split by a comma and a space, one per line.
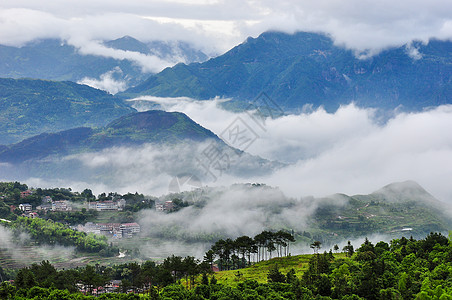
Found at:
[236, 254]
[404, 269]
[52, 233]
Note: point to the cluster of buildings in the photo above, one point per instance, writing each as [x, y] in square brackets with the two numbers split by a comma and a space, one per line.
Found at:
[113, 230]
[48, 204]
[107, 205]
[166, 206]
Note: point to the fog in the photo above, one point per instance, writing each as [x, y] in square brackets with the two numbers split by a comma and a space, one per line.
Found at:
[17, 248]
[106, 82]
[353, 150]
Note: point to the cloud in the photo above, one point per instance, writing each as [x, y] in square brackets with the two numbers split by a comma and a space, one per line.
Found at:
[351, 150]
[226, 212]
[16, 247]
[106, 82]
[216, 26]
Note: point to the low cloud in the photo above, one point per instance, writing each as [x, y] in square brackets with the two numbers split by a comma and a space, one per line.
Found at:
[226, 212]
[217, 26]
[106, 82]
[16, 249]
[352, 150]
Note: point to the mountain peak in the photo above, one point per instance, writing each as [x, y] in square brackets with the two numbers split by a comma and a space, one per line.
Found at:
[406, 191]
[128, 43]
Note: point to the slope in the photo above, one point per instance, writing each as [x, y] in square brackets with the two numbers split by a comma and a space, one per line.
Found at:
[133, 129]
[29, 107]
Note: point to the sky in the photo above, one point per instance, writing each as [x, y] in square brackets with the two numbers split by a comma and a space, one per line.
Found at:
[215, 26]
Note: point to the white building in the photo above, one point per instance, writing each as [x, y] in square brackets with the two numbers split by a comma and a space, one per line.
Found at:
[25, 207]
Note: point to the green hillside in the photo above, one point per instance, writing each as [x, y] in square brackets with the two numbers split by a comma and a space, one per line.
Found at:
[133, 129]
[29, 107]
[402, 269]
[399, 208]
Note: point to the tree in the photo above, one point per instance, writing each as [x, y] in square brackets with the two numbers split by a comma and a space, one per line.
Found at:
[336, 248]
[316, 246]
[348, 249]
[274, 275]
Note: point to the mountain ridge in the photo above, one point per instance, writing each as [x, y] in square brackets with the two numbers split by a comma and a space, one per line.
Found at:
[136, 128]
[32, 106]
[307, 68]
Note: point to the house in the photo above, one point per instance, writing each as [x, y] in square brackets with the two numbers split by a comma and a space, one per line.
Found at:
[129, 229]
[25, 193]
[25, 207]
[159, 207]
[90, 227]
[168, 206]
[107, 205]
[62, 205]
[121, 204]
[110, 229]
[33, 215]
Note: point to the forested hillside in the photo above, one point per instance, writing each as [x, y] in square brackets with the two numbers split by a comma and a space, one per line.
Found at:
[29, 107]
[401, 269]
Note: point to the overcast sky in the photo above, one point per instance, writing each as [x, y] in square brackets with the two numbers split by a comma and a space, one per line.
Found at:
[217, 25]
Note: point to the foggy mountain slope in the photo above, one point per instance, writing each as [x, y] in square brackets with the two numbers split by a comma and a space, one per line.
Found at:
[406, 191]
[29, 107]
[55, 59]
[165, 50]
[146, 149]
[307, 68]
[133, 129]
[247, 209]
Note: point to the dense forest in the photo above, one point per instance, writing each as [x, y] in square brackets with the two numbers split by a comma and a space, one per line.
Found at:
[402, 269]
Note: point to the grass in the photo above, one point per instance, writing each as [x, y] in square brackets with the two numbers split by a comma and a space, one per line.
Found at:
[260, 270]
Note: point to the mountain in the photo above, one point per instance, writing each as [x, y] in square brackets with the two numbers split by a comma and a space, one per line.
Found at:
[401, 207]
[30, 106]
[308, 68]
[166, 50]
[133, 129]
[145, 145]
[54, 59]
[402, 192]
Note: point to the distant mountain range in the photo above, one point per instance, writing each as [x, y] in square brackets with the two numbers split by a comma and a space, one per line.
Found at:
[308, 68]
[54, 59]
[29, 107]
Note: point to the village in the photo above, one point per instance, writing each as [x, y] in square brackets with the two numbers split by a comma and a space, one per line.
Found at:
[111, 230]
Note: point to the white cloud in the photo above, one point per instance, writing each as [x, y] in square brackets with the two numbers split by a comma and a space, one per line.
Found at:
[106, 82]
[349, 151]
[216, 26]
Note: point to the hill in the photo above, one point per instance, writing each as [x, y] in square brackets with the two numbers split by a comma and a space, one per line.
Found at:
[398, 208]
[130, 149]
[29, 107]
[308, 68]
[54, 59]
[133, 129]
